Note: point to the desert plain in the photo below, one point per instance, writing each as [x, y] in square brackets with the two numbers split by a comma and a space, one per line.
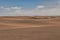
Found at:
[30, 28]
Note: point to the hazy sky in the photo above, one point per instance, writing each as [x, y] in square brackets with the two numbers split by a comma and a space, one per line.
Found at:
[30, 7]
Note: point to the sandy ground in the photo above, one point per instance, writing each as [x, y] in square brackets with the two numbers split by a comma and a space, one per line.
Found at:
[30, 28]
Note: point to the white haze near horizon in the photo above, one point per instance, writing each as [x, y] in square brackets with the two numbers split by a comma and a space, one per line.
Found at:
[39, 10]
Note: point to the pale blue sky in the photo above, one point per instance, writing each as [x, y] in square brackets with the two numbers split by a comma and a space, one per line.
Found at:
[27, 4]
[29, 7]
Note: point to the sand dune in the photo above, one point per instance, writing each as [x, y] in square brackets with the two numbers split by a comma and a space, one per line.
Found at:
[13, 22]
[30, 28]
[35, 33]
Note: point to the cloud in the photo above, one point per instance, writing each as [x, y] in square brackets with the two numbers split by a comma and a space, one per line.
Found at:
[40, 6]
[9, 11]
[40, 10]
